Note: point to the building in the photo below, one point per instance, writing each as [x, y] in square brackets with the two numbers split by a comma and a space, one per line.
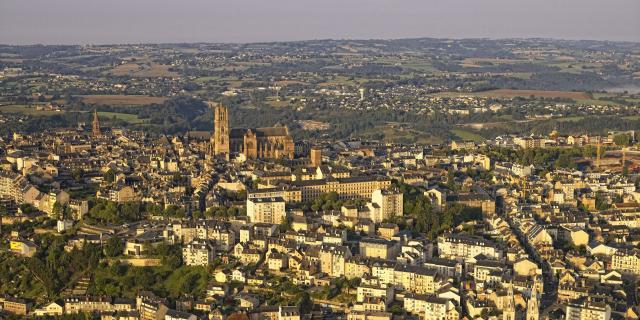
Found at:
[416, 279]
[463, 145]
[333, 258]
[50, 309]
[87, 304]
[288, 313]
[179, 315]
[256, 143]
[389, 203]
[220, 138]
[96, 125]
[584, 309]
[431, 307]
[266, 210]
[360, 187]
[150, 307]
[198, 253]
[347, 188]
[23, 247]
[462, 247]
[316, 157]
[379, 248]
[369, 315]
[626, 261]
[15, 306]
[530, 142]
[372, 291]
[277, 261]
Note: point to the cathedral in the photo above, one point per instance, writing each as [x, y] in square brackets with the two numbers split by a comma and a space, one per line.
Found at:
[258, 143]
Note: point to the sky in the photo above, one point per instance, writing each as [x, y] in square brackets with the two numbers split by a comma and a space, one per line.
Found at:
[171, 21]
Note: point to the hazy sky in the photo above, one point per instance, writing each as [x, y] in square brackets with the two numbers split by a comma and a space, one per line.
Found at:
[136, 21]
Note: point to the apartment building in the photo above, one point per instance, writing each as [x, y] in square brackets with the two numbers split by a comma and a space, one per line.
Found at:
[198, 253]
[266, 210]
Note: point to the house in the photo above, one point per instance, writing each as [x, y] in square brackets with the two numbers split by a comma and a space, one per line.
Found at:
[369, 315]
[278, 261]
[288, 313]
[179, 315]
[23, 247]
[600, 249]
[247, 301]
[50, 309]
[217, 289]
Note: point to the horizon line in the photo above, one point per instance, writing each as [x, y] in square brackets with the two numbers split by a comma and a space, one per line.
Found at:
[318, 39]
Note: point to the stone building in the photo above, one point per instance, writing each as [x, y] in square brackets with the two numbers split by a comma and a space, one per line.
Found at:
[254, 143]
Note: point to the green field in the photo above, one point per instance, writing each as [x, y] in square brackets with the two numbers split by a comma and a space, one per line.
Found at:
[207, 79]
[467, 135]
[398, 134]
[130, 118]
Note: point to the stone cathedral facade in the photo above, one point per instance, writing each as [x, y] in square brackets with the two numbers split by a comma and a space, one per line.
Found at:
[253, 143]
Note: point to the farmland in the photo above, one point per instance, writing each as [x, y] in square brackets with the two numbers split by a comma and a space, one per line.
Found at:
[122, 100]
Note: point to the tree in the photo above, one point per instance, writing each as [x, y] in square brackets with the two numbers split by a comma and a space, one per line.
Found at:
[622, 139]
[58, 210]
[396, 309]
[198, 214]
[3, 212]
[109, 176]
[451, 181]
[304, 303]
[602, 202]
[114, 247]
[285, 224]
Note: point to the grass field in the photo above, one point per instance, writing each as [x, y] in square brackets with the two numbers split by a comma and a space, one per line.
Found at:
[467, 135]
[206, 79]
[122, 100]
[395, 133]
[130, 118]
[142, 70]
[480, 62]
[338, 81]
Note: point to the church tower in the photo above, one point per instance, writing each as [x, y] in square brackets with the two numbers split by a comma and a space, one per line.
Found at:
[96, 125]
[220, 138]
[509, 309]
[533, 307]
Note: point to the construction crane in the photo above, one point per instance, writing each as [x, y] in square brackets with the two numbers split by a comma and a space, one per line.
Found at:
[624, 158]
[598, 154]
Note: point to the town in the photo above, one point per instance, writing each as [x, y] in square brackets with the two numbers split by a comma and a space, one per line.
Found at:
[238, 223]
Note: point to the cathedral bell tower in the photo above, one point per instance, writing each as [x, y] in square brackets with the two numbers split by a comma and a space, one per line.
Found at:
[220, 139]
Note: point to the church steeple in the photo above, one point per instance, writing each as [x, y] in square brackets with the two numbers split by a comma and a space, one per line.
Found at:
[533, 307]
[96, 125]
[509, 310]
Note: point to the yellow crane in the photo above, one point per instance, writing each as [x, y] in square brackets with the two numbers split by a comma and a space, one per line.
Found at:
[624, 158]
[598, 154]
